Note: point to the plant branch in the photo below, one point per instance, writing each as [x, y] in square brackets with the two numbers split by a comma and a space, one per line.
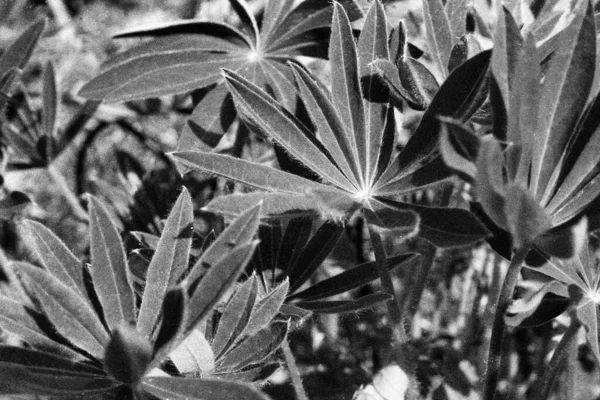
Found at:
[498, 328]
[387, 284]
[68, 194]
[559, 355]
[290, 360]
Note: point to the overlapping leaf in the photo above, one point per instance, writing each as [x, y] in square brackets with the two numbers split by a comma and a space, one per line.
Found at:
[547, 123]
[353, 150]
[184, 56]
[79, 347]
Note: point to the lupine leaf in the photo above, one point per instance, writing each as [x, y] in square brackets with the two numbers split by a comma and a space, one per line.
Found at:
[17, 319]
[459, 149]
[266, 309]
[390, 75]
[19, 52]
[345, 306]
[254, 348]
[456, 10]
[128, 354]
[293, 241]
[282, 205]
[564, 94]
[174, 314]
[444, 227]
[346, 94]
[564, 241]
[490, 183]
[246, 172]
[314, 253]
[217, 280]
[457, 98]
[373, 45]
[55, 256]
[439, 36]
[239, 233]
[109, 267]
[353, 278]
[523, 308]
[255, 373]
[329, 127]
[50, 107]
[235, 316]
[193, 355]
[200, 389]
[265, 114]
[168, 263]
[69, 313]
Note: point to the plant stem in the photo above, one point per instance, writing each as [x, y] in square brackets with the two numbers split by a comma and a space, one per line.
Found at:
[559, 355]
[69, 195]
[294, 372]
[498, 328]
[418, 284]
[387, 284]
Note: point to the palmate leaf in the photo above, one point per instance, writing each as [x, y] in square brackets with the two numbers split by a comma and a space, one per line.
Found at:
[199, 388]
[184, 56]
[291, 252]
[541, 130]
[354, 146]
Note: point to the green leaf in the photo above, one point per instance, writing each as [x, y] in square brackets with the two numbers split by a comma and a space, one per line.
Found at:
[439, 36]
[346, 92]
[235, 316]
[169, 262]
[19, 52]
[22, 321]
[292, 243]
[328, 125]
[209, 121]
[565, 91]
[354, 278]
[459, 148]
[194, 355]
[444, 227]
[55, 256]
[372, 45]
[255, 348]
[587, 313]
[564, 241]
[239, 233]
[249, 173]
[320, 245]
[128, 355]
[345, 306]
[199, 388]
[263, 113]
[390, 75]
[206, 293]
[525, 218]
[174, 313]
[456, 10]
[275, 205]
[50, 108]
[70, 314]
[109, 267]
[521, 309]
[256, 373]
[459, 97]
[404, 223]
[266, 309]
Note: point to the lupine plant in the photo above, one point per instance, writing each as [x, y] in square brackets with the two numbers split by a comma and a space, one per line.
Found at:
[503, 160]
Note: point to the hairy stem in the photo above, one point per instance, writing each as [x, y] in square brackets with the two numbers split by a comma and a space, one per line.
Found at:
[560, 353]
[387, 284]
[69, 195]
[498, 328]
[418, 283]
[290, 360]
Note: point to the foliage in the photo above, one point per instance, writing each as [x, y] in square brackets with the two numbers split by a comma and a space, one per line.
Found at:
[87, 331]
[321, 146]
